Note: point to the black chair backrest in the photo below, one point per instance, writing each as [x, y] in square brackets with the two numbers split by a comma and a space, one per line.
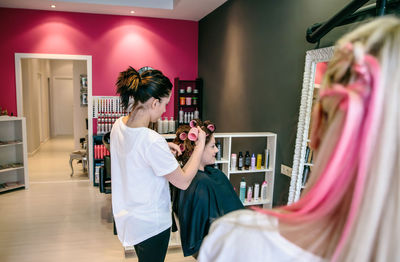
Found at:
[107, 167]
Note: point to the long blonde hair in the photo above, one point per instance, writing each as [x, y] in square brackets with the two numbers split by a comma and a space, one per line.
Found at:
[353, 195]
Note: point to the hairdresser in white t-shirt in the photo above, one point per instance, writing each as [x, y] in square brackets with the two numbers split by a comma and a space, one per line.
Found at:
[142, 164]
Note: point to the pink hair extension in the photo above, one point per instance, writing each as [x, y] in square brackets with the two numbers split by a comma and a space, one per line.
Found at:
[361, 102]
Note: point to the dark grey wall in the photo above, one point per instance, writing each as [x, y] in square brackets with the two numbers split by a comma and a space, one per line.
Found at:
[251, 58]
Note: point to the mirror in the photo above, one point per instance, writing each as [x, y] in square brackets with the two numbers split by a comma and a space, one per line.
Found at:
[315, 66]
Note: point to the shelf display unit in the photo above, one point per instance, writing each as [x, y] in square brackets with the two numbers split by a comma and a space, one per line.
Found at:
[268, 173]
[13, 154]
[188, 96]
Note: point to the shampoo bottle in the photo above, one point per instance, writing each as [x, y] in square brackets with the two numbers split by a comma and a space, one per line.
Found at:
[242, 192]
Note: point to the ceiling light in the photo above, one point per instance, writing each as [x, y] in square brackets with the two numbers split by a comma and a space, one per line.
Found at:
[53, 6]
[132, 12]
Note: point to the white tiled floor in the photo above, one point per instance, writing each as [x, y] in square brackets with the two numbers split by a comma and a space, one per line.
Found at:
[60, 218]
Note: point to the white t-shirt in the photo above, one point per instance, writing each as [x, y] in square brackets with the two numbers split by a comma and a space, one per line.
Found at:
[141, 201]
[249, 236]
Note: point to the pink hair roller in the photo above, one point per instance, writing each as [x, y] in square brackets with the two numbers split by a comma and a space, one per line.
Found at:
[193, 123]
[182, 147]
[183, 136]
[211, 127]
[193, 134]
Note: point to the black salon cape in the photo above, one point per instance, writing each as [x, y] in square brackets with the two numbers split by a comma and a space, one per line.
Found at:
[209, 196]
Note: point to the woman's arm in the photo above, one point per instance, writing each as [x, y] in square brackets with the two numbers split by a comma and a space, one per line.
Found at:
[182, 177]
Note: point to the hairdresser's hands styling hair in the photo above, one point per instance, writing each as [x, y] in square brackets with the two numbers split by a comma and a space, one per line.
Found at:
[182, 177]
[175, 150]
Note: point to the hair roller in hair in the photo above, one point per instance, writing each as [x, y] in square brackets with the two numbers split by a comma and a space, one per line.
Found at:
[193, 134]
[183, 136]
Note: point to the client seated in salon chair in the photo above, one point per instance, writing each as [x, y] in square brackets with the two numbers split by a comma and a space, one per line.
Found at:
[210, 194]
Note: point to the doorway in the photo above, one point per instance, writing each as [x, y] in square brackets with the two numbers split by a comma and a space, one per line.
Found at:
[53, 106]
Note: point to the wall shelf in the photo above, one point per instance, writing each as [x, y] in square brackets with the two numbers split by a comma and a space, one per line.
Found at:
[13, 154]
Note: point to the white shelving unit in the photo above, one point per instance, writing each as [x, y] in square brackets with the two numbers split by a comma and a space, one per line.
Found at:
[226, 140]
[13, 154]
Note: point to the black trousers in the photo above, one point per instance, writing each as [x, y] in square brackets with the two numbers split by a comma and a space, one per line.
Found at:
[153, 249]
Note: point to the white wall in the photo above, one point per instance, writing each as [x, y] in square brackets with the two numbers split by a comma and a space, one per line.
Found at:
[61, 97]
[35, 73]
[80, 112]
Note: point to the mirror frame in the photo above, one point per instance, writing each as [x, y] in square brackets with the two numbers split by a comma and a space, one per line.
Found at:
[312, 58]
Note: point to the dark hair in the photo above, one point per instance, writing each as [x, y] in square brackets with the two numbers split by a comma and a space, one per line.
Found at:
[142, 87]
[189, 145]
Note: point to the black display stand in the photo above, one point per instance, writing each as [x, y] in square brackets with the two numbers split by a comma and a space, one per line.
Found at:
[97, 163]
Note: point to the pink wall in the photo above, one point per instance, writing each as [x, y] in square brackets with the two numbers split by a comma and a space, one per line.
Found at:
[114, 42]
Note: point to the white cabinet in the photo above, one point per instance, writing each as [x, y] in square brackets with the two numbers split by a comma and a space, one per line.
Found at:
[268, 171]
[228, 141]
[13, 154]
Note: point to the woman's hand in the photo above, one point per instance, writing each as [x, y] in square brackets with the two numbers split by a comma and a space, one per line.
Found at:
[175, 150]
[201, 139]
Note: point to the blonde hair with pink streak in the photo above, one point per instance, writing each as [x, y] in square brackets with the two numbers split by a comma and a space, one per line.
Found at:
[350, 210]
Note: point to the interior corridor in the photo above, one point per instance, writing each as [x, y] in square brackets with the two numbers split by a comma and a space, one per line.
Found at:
[51, 162]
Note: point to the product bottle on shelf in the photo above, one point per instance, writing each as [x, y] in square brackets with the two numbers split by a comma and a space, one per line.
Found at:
[253, 162]
[196, 114]
[264, 191]
[259, 159]
[171, 125]
[240, 161]
[267, 158]
[249, 193]
[159, 126]
[247, 160]
[218, 145]
[233, 161]
[242, 192]
[165, 125]
[256, 191]
[181, 116]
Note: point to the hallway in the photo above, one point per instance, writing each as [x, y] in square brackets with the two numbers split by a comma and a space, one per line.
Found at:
[51, 162]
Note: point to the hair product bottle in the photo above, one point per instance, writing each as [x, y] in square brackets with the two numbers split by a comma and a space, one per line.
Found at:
[249, 193]
[159, 126]
[218, 145]
[264, 191]
[253, 162]
[256, 191]
[233, 161]
[181, 116]
[240, 161]
[196, 114]
[171, 125]
[242, 192]
[165, 125]
[247, 160]
[259, 159]
[267, 158]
